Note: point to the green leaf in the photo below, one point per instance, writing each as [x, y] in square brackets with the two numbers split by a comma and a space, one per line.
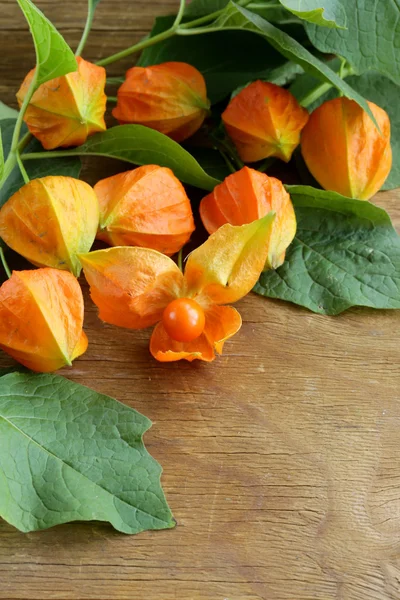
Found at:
[201, 8]
[143, 146]
[54, 57]
[70, 167]
[345, 253]
[370, 41]
[327, 13]
[211, 161]
[375, 88]
[242, 57]
[6, 112]
[236, 17]
[69, 453]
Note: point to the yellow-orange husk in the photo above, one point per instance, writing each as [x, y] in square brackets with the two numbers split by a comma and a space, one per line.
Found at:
[264, 120]
[50, 220]
[63, 112]
[170, 97]
[147, 207]
[345, 151]
[41, 318]
[132, 286]
[248, 195]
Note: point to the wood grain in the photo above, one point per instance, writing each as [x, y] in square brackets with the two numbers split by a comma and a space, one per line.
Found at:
[281, 459]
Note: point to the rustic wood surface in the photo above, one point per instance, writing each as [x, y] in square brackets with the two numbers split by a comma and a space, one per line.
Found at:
[281, 459]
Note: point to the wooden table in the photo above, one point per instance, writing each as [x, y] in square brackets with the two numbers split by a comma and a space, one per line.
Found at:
[281, 459]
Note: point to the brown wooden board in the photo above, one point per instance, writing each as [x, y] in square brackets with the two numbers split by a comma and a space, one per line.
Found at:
[281, 459]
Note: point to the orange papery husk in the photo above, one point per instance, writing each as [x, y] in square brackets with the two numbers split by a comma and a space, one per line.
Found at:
[132, 286]
[147, 207]
[50, 220]
[248, 195]
[41, 318]
[170, 97]
[64, 111]
[345, 151]
[264, 120]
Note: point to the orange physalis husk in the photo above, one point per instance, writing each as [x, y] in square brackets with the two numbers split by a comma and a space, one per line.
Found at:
[41, 318]
[345, 151]
[170, 97]
[134, 287]
[65, 111]
[145, 207]
[50, 220]
[264, 120]
[248, 195]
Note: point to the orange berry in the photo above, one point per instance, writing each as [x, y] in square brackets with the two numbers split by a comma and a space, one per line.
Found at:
[184, 320]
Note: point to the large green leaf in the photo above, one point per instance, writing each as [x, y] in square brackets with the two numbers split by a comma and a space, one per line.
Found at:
[236, 17]
[53, 55]
[374, 87]
[39, 168]
[200, 8]
[345, 253]
[143, 146]
[370, 41]
[69, 453]
[327, 13]
[211, 161]
[241, 57]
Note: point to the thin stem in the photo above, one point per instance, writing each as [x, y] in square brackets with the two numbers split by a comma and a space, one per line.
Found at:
[114, 80]
[24, 141]
[199, 30]
[12, 159]
[112, 99]
[266, 164]
[229, 164]
[22, 168]
[176, 28]
[49, 154]
[315, 93]
[4, 263]
[86, 31]
[137, 47]
[179, 260]
[322, 88]
[179, 16]
[20, 118]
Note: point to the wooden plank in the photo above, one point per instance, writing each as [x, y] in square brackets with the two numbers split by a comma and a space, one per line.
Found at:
[281, 459]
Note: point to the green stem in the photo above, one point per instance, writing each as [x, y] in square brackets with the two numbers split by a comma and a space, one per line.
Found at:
[179, 16]
[137, 47]
[24, 174]
[24, 142]
[12, 159]
[86, 31]
[112, 99]
[177, 28]
[229, 164]
[114, 80]
[266, 164]
[4, 263]
[322, 88]
[49, 154]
